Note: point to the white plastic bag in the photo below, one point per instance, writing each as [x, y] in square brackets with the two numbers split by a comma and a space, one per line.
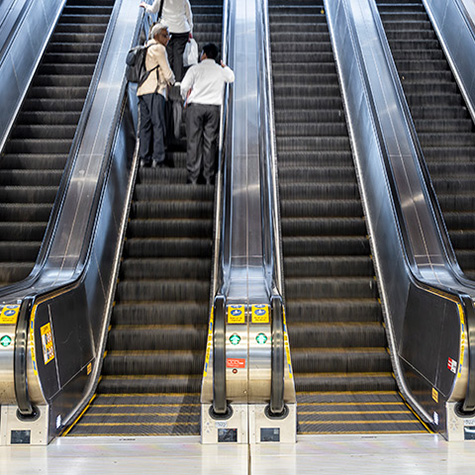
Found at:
[190, 55]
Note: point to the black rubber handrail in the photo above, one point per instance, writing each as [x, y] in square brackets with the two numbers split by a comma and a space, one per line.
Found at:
[276, 406]
[25, 407]
[220, 405]
[468, 405]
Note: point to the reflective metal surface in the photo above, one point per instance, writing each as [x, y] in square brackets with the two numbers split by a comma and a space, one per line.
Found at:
[420, 292]
[23, 41]
[454, 24]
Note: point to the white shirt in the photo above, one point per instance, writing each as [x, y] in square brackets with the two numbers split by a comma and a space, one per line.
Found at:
[176, 14]
[206, 81]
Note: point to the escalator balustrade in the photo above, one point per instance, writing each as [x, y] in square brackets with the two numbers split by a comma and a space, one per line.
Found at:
[442, 121]
[35, 154]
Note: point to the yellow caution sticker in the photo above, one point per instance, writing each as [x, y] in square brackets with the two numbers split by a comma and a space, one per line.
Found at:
[236, 314]
[435, 395]
[47, 343]
[89, 369]
[462, 339]
[9, 315]
[286, 345]
[260, 313]
[32, 340]
[209, 344]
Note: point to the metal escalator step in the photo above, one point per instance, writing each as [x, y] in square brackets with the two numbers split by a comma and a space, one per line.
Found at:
[167, 247]
[33, 194]
[173, 268]
[322, 207]
[331, 288]
[154, 337]
[42, 131]
[325, 245]
[340, 360]
[323, 226]
[27, 177]
[350, 382]
[320, 266]
[25, 212]
[162, 228]
[23, 231]
[337, 310]
[150, 384]
[19, 251]
[156, 313]
[156, 290]
[181, 192]
[317, 191]
[14, 271]
[154, 362]
[180, 210]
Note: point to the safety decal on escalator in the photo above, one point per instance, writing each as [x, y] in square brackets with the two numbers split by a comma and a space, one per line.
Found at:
[209, 343]
[236, 363]
[260, 313]
[286, 345]
[9, 314]
[236, 314]
[47, 343]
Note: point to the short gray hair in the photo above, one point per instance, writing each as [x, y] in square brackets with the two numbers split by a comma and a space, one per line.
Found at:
[157, 28]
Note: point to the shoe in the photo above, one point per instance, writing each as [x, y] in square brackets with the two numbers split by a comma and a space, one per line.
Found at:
[190, 182]
[144, 163]
[157, 164]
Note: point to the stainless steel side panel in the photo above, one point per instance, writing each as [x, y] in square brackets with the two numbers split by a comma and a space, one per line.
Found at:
[22, 55]
[454, 24]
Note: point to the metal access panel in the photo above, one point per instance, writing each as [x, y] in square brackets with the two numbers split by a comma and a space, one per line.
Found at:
[264, 429]
[224, 430]
[14, 431]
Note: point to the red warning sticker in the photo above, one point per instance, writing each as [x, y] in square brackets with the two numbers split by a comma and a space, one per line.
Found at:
[452, 365]
[235, 363]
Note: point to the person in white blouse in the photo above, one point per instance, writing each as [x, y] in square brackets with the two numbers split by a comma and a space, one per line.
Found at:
[177, 15]
[202, 88]
[152, 94]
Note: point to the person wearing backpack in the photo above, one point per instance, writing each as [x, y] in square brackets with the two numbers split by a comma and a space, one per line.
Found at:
[152, 95]
[177, 15]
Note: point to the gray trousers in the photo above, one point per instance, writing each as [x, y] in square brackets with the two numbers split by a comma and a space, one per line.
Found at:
[202, 128]
[152, 128]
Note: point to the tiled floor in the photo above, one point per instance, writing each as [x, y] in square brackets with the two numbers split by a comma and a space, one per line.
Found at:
[327, 455]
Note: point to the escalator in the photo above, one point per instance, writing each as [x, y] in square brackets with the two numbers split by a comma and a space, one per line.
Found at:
[343, 374]
[151, 377]
[443, 124]
[35, 155]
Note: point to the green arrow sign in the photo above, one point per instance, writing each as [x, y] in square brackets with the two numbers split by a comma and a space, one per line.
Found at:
[234, 338]
[5, 341]
[261, 338]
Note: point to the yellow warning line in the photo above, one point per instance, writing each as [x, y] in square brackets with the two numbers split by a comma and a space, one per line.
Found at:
[363, 432]
[112, 424]
[330, 403]
[346, 393]
[352, 412]
[415, 414]
[146, 434]
[155, 414]
[146, 405]
[358, 422]
[66, 432]
[149, 394]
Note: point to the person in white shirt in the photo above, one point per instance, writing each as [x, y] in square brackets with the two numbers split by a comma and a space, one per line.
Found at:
[152, 94]
[176, 14]
[202, 88]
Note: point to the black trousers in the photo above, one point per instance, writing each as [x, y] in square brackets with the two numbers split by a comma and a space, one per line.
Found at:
[175, 49]
[152, 128]
[202, 128]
